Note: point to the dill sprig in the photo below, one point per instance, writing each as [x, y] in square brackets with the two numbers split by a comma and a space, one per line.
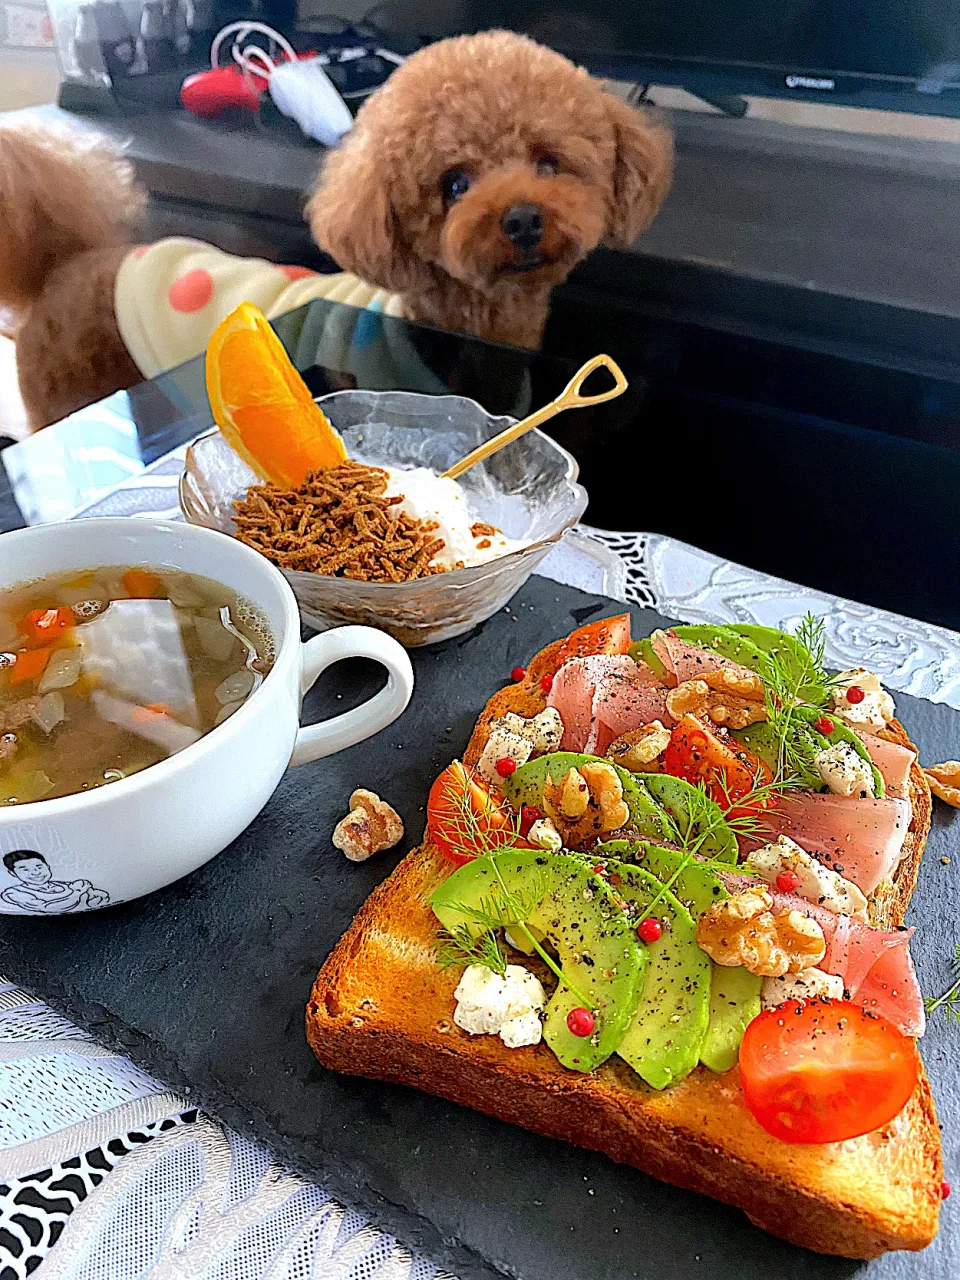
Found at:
[811, 632]
[495, 911]
[795, 679]
[950, 1000]
[703, 811]
[458, 946]
[704, 817]
[505, 906]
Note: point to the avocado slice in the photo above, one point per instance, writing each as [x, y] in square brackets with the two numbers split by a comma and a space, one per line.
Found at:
[662, 1042]
[676, 796]
[577, 913]
[642, 650]
[734, 1001]
[734, 992]
[720, 638]
[695, 885]
[772, 641]
[842, 732]
[724, 640]
[525, 786]
[759, 738]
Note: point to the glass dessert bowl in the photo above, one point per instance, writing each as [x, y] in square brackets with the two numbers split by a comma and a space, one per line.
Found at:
[528, 490]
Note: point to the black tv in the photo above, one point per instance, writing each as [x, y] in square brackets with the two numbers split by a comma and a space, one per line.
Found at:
[900, 54]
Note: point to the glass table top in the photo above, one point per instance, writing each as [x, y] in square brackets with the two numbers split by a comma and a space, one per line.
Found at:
[820, 498]
[56, 471]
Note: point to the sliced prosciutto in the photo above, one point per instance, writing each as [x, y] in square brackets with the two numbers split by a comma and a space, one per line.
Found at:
[862, 839]
[573, 690]
[628, 701]
[600, 697]
[875, 964]
[892, 984]
[685, 661]
[893, 760]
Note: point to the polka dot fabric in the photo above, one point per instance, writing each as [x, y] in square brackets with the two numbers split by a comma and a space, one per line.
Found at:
[297, 273]
[170, 296]
[191, 292]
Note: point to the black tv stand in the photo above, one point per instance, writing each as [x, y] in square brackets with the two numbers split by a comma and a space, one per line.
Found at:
[728, 104]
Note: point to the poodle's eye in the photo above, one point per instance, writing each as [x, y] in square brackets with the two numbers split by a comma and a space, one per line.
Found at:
[455, 184]
[547, 167]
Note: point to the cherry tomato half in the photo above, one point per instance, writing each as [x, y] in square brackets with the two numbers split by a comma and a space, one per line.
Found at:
[464, 820]
[696, 754]
[608, 635]
[825, 1070]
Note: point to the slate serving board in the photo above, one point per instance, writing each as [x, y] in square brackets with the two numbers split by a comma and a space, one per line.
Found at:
[205, 983]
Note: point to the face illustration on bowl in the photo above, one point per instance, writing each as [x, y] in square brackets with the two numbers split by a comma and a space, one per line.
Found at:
[37, 892]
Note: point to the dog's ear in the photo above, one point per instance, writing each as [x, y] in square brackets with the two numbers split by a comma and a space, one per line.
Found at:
[642, 171]
[352, 216]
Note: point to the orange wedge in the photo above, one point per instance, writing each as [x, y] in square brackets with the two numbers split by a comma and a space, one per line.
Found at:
[261, 404]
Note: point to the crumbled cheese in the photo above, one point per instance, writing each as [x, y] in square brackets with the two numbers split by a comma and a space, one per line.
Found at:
[844, 771]
[488, 1004]
[874, 711]
[545, 835]
[868, 681]
[517, 738]
[501, 745]
[818, 883]
[800, 986]
[544, 730]
[522, 1030]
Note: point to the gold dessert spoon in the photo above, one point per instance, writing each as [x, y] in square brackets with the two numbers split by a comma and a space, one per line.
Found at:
[569, 398]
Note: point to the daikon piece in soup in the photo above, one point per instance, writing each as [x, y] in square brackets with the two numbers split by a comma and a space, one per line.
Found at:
[107, 671]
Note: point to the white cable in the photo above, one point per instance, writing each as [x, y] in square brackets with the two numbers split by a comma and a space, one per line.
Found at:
[240, 31]
[247, 58]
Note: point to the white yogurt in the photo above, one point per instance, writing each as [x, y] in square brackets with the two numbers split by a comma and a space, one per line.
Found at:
[427, 496]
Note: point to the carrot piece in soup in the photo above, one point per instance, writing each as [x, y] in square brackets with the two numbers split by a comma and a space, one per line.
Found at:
[140, 584]
[42, 627]
[30, 665]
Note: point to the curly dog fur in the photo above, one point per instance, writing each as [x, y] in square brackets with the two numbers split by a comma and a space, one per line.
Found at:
[517, 124]
[504, 111]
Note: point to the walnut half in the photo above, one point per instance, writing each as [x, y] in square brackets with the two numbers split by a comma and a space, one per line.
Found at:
[742, 930]
[370, 826]
[944, 781]
[585, 803]
[728, 697]
[637, 749]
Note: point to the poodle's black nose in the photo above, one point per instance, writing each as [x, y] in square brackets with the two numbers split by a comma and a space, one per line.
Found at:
[523, 225]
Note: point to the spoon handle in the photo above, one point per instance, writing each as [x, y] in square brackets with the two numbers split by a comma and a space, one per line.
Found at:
[569, 398]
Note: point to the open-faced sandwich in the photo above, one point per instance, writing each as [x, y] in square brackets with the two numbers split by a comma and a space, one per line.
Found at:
[659, 913]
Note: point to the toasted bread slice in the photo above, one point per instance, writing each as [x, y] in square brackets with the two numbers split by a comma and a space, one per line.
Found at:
[380, 1007]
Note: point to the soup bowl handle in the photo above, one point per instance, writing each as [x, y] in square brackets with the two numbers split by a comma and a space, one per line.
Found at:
[316, 740]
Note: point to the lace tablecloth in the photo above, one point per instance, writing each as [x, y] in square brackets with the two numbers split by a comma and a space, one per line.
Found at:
[128, 1180]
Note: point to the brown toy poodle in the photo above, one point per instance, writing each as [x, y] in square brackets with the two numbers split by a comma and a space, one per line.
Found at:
[471, 184]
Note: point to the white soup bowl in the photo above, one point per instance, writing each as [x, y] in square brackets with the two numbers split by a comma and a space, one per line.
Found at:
[127, 838]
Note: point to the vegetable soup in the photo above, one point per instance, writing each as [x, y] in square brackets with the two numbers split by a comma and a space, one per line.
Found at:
[107, 671]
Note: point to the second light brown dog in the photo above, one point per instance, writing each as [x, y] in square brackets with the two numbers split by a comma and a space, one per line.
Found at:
[471, 184]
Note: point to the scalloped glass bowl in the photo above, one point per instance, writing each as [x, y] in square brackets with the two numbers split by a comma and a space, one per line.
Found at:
[529, 490]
